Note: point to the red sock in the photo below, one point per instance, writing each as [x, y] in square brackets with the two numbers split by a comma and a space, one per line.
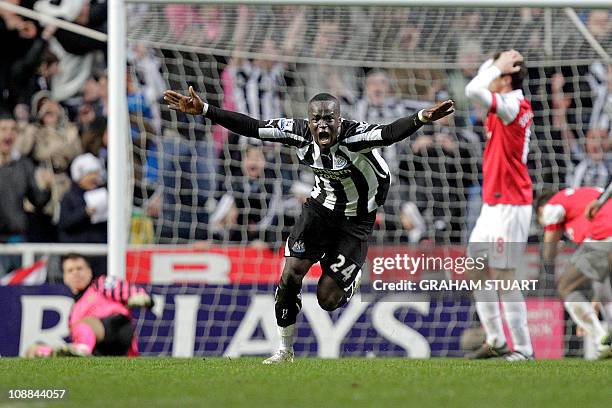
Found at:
[84, 335]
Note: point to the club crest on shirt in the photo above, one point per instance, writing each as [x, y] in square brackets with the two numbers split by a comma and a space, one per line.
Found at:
[286, 125]
[298, 247]
[363, 126]
[340, 161]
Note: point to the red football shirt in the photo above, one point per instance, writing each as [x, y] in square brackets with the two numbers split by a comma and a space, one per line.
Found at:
[565, 210]
[601, 226]
[504, 165]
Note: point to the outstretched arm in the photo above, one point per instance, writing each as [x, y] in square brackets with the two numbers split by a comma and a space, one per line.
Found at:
[274, 130]
[404, 127]
[194, 105]
[374, 136]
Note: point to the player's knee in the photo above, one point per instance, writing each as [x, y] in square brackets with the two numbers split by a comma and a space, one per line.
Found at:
[329, 303]
[329, 294]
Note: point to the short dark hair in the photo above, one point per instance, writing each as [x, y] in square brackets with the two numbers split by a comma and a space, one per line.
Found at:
[518, 77]
[73, 256]
[4, 115]
[324, 97]
[251, 146]
[48, 57]
[543, 198]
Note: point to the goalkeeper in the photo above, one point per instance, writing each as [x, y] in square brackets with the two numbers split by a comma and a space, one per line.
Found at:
[100, 320]
[351, 182]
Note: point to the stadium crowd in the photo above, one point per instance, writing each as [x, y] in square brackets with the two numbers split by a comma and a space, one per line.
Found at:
[194, 182]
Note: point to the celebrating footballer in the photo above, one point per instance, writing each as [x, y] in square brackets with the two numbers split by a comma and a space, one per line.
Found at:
[351, 182]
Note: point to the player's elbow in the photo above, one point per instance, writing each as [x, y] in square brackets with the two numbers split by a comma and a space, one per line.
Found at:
[471, 91]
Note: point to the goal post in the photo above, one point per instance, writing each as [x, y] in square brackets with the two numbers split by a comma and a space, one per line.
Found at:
[118, 135]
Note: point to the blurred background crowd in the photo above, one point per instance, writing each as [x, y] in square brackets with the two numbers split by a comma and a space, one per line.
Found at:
[196, 182]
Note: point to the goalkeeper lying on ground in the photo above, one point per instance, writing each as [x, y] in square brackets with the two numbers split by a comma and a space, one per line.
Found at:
[100, 319]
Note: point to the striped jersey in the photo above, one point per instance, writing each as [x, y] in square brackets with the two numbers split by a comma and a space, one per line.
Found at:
[351, 177]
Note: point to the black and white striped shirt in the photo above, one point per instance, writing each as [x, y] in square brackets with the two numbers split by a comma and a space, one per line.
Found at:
[351, 178]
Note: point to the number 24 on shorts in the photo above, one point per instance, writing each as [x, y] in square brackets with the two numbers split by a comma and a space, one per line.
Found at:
[347, 272]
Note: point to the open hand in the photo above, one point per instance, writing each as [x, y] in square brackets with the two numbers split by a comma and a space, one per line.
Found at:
[439, 110]
[191, 104]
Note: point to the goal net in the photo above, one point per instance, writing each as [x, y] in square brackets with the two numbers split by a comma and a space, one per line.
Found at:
[236, 198]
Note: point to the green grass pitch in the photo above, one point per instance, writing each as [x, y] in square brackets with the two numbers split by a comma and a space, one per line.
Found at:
[309, 382]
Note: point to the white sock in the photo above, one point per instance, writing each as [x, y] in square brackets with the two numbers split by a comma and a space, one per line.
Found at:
[583, 313]
[515, 312]
[287, 336]
[487, 306]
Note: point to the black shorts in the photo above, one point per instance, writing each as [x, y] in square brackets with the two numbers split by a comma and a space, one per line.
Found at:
[118, 334]
[339, 242]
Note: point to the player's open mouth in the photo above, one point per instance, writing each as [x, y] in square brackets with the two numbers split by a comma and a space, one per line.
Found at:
[324, 138]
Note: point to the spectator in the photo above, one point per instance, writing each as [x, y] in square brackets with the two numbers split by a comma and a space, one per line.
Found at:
[33, 73]
[321, 77]
[88, 13]
[601, 84]
[147, 69]
[600, 25]
[84, 208]
[51, 142]
[18, 180]
[254, 197]
[142, 131]
[441, 170]
[468, 58]
[593, 170]
[95, 140]
[412, 222]
[378, 105]
[75, 52]
[90, 105]
[259, 88]
[188, 178]
[407, 226]
[21, 51]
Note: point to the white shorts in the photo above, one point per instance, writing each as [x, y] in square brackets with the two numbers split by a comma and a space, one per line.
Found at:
[501, 233]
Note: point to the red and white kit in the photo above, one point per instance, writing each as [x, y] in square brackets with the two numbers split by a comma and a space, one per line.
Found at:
[565, 211]
[507, 192]
[502, 228]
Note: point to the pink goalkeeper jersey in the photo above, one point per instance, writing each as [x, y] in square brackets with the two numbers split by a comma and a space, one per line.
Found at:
[103, 298]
